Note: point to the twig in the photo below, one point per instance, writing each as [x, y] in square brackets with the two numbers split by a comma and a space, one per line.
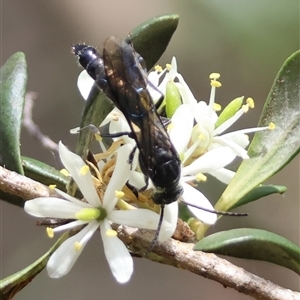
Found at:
[24, 187]
[31, 127]
[181, 255]
[172, 252]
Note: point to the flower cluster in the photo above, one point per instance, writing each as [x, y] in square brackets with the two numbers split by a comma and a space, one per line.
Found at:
[197, 133]
[96, 210]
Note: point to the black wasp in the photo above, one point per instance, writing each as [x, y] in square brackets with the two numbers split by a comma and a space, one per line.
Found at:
[120, 72]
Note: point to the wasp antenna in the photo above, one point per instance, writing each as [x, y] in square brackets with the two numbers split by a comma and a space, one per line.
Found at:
[218, 212]
[161, 217]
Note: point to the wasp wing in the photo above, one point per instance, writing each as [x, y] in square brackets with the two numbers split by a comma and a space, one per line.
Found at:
[128, 85]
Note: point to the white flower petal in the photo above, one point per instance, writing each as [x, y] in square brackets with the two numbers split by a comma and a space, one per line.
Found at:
[51, 208]
[171, 216]
[117, 255]
[115, 113]
[74, 164]
[72, 199]
[137, 179]
[173, 71]
[186, 94]
[237, 149]
[223, 175]
[118, 178]
[237, 137]
[139, 218]
[63, 259]
[144, 218]
[193, 196]
[85, 83]
[210, 161]
[153, 77]
[171, 213]
[181, 130]
[154, 91]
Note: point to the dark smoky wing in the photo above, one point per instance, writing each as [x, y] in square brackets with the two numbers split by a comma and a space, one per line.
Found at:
[127, 79]
[128, 84]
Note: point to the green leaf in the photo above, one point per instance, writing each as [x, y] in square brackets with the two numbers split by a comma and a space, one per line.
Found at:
[12, 95]
[255, 244]
[44, 173]
[260, 192]
[151, 38]
[12, 284]
[271, 150]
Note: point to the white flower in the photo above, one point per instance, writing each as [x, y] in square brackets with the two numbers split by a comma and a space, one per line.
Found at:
[98, 211]
[203, 147]
[197, 135]
[118, 123]
[136, 178]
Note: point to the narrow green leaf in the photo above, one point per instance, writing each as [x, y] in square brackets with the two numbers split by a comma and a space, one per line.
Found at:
[260, 192]
[271, 150]
[151, 38]
[255, 244]
[44, 173]
[12, 284]
[12, 94]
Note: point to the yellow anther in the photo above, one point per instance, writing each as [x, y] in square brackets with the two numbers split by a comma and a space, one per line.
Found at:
[52, 186]
[168, 67]
[158, 68]
[111, 232]
[215, 83]
[214, 76]
[98, 137]
[250, 102]
[272, 126]
[50, 232]
[201, 177]
[119, 194]
[64, 172]
[84, 169]
[245, 108]
[77, 246]
[217, 107]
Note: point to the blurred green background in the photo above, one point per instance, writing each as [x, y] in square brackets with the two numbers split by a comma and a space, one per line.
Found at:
[245, 41]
